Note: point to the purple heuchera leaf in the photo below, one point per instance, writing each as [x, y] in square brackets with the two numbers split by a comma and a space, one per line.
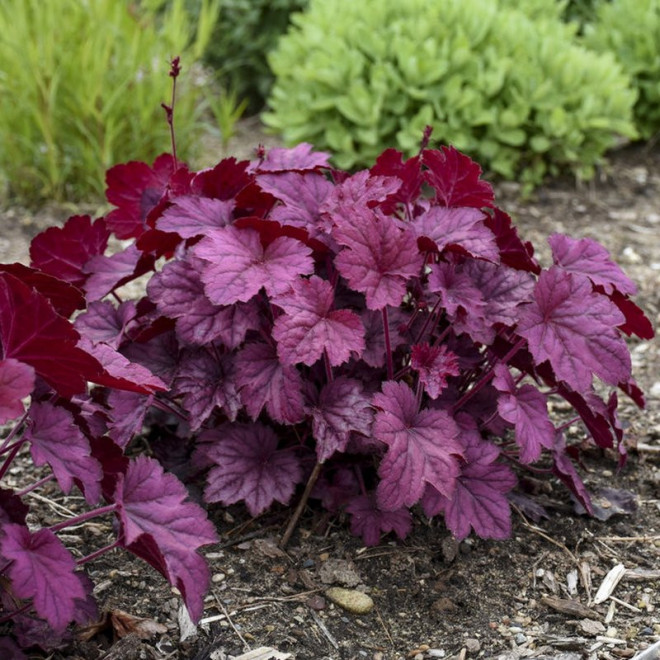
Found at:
[178, 292]
[462, 226]
[434, 364]
[358, 192]
[374, 333]
[127, 411]
[239, 266]
[264, 381]
[43, 569]
[378, 257]
[587, 257]
[249, 467]
[311, 327]
[206, 382]
[479, 499]
[301, 157]
[369, 522]
[191, 216]
[16, 382]
[422, 447]
[526, 408]
[105, 273]
[103, 322]
[565, 470]
[56, 439]
[342, 409]
[12, 508]
[575, 330]
[10, 650]
[153, 504]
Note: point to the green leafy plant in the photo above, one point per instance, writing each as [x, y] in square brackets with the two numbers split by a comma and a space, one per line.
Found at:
[519, 95]
[79, 81]
[245, 32]
[227, 108]
[631, 31]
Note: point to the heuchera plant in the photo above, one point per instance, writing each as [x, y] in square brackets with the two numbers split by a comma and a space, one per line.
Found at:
[380, 340]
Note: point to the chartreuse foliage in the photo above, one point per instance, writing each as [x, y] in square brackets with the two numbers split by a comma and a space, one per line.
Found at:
[516, 93]
[79, 81]
[631, 31]
[384, 337]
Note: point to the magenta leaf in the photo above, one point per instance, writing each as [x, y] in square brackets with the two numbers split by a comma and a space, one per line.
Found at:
[434, 364]
[178, 292]
[224, 181]
[342, 409]
[564, 469]
[358, 192]
[239, 266]
[206, 381]
[311, 327]
[455, 178]
[191, 216]
[390, 163]
[479, 499]
[16, 382]
[378, 257]
[153, 509]
[636, 321]
[422, 447]
[107, 273]
[30, 329]
[575, 330]
[369, 522]
[300, 157]
[374, 334]
[12, 508]
[10, 650]
[526, 408]
[63, 251]
[249, 467]
[513, 252]
[56, 439]
[127, 411]
[103, 322]
[587, 257]
[42, 569]
[461, 226]
[264, 381]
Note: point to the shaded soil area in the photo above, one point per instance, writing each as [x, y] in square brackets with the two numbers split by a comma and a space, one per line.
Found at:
[551, 591]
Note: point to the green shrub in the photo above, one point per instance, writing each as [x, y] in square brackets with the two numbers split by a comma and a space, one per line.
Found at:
[247, 30]
[79, 81]
[519, 96]
[631, 30]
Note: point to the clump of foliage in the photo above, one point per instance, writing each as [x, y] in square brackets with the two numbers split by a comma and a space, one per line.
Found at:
[79, 81]
[517, 94]
[246, 31]
[385, 338]
[631, 31]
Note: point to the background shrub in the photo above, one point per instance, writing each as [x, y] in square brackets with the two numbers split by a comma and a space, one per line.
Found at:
[631, 31]
[80, 81]
[519, 95]
[246, 31]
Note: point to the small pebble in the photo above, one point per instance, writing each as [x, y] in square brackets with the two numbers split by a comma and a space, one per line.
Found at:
[309, 563]
[473, 645]
[646, 631]
[350, 600]
[520, 639]
[436, 653]
[218, 577]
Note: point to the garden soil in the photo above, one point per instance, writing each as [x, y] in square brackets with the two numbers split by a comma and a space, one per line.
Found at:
[566, 586]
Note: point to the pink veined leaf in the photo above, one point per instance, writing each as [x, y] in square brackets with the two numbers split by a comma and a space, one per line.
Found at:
[422, 447]
[206, 382]
[575, 330]
[16, 382]
[178, 292]
[457, 290]
[374, 333]
[249, 467]
[455, 178]
[526, 408]
[264, 381]
[462, 226]
[378, 257]
[336, 490]
[588, 257]
[513, 252]
[479, 500]
[224, 181]
[42, 569]
[300, 158]
[309, 327]
[158, 353]
[154, 511]
[239, 266]
[369, 522]
[56, 439]
[434, 364]
[342, 409]
[190, 215]
[107, 273]
[302, 195]
[564, 469]
[127, 411]
[103, 322]
[391, 164]
[63, 251]
[119, 371]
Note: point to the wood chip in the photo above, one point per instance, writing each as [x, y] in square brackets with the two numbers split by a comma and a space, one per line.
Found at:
[570, 607]
[609, 584]
[263, 653]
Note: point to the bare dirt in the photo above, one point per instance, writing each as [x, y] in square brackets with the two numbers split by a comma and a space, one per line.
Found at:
[535, 595]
